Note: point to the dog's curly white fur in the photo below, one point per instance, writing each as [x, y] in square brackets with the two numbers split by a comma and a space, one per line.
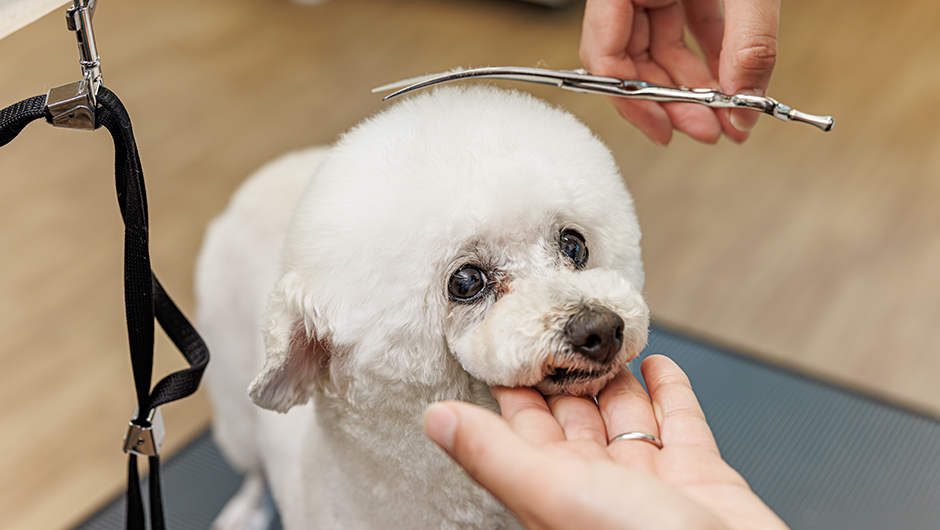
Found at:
[426, 258]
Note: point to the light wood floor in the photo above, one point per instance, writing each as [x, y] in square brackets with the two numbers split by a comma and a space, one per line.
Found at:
[817, 251]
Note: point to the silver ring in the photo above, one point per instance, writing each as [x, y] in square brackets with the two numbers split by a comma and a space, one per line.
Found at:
[637, 436]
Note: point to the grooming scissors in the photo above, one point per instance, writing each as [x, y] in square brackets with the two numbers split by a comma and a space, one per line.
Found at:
[583, 82]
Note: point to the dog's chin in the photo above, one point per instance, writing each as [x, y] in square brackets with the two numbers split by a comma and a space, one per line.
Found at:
[575, 382]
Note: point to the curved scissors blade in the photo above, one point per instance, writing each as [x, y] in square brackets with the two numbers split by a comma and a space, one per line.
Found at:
[582, 81]
[513, 73]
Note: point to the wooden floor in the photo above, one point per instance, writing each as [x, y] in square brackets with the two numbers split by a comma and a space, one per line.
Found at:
[817, 251]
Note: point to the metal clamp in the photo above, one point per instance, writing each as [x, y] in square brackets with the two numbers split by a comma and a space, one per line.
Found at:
[73, 105]
[145, 440]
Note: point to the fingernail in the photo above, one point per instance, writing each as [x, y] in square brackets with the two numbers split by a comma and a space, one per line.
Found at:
[440, 424]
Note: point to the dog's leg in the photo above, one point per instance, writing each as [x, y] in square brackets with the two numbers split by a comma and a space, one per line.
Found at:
[247, 509]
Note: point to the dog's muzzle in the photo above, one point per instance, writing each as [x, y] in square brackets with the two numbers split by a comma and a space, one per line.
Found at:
[562, 333]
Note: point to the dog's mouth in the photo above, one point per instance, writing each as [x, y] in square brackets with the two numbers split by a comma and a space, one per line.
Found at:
[569, 376]
[575, 381]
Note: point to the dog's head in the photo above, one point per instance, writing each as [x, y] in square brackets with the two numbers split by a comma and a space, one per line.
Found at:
[467, 230]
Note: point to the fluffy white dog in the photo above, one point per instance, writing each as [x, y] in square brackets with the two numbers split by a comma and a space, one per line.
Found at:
[464, 237]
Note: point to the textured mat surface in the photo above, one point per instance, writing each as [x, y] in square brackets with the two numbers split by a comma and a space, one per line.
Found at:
[821, 456]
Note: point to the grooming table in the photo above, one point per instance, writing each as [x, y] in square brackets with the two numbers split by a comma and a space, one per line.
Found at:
[821, 456]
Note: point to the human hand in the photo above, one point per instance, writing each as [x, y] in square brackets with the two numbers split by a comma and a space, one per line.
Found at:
[550, 463]
[644, 39]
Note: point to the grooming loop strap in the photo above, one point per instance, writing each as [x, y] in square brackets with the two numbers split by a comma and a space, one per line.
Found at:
[87, 104]
[144, 300]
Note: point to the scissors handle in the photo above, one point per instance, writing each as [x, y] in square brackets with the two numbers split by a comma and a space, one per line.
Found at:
[702, 96]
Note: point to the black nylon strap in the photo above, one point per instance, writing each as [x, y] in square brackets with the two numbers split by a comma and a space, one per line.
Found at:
[17, 116]
[134, 516]
[184, 382]
[138, 287]
[156, 501]
[144, 297]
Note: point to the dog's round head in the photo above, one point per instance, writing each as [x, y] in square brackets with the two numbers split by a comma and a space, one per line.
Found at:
[467, 230]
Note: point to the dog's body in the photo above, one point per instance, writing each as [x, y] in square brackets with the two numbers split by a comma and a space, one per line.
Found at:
[464, 237]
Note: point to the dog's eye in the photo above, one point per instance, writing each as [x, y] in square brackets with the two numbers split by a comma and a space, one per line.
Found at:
[467, 283]
[572, 245]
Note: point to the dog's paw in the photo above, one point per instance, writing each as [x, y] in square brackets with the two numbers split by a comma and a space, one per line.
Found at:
[247, 509]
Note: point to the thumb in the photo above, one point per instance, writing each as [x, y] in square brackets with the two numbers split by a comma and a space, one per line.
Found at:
[484, 445]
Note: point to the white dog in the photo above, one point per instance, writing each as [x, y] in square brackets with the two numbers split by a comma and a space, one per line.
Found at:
[464, 237]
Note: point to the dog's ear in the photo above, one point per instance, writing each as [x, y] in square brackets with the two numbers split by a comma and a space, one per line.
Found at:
[295, 357]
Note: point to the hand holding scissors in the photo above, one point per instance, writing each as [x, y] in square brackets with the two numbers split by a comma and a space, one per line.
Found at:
[644, 39]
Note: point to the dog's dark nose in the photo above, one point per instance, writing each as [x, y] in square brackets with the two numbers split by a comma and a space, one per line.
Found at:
[595, 333]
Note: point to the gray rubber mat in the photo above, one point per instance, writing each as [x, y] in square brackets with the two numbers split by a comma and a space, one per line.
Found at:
[821, 456]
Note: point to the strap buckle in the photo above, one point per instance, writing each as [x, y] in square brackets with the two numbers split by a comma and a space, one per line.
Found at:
[73, 105]
[145, 440]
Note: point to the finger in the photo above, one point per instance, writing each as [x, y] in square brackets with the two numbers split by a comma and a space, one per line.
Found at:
[680, 417]
[748, 52]
[605, 31]
[695, 120]
[612, 33]
[668, 48]
[683, 68]
[707, 24]
[526, 411]
[647, 116]
[626, 407]
[651, 118]
[638, 46]
[579, 418]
